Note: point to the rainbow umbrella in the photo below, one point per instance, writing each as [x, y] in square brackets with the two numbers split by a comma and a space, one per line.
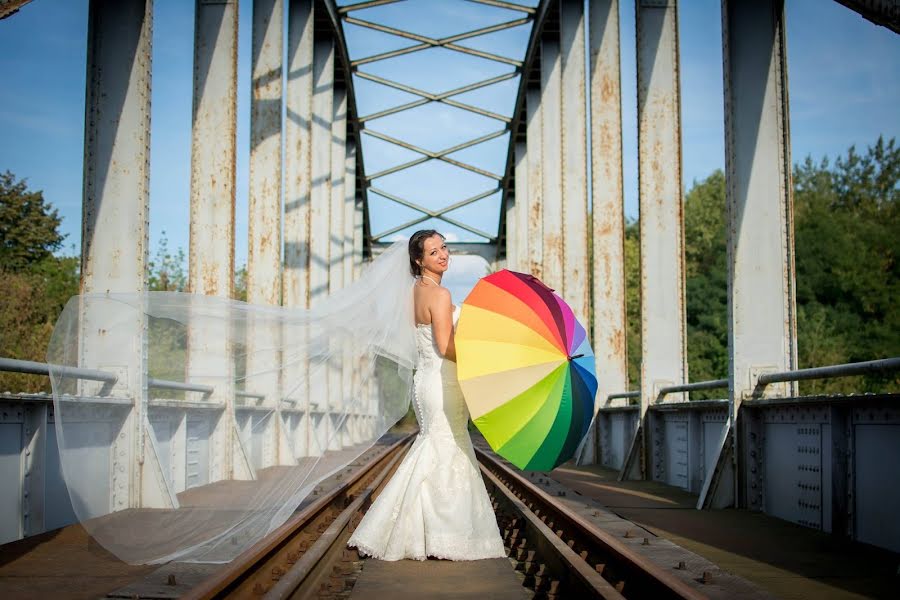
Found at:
[526, 370]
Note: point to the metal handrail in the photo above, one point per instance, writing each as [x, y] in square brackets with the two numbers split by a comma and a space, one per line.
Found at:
[31, 367]
[635, 394]
[181, 386]
[712, 384]
[844, 370]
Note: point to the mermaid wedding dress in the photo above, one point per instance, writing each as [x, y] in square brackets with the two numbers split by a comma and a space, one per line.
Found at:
[436, 503]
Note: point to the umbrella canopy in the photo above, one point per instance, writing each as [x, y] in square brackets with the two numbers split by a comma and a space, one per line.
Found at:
[526, 370]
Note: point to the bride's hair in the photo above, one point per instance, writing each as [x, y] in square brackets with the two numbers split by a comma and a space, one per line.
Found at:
[417, 248]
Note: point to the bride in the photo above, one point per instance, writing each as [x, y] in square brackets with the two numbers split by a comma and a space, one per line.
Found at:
[436, 503]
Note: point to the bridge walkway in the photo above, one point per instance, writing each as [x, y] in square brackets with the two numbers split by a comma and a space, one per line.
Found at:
[785, 559]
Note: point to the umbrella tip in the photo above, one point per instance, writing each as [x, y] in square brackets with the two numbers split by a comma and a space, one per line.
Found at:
[576, 356]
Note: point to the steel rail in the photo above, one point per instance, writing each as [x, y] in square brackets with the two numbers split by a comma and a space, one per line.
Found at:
[300, 571]
[593, 582]
[638, 571]
[224, 582]
[30, 367]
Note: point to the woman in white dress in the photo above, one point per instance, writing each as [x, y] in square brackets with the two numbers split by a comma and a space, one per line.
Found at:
[435, 504]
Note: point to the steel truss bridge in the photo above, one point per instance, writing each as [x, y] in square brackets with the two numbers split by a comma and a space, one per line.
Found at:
[823, 462]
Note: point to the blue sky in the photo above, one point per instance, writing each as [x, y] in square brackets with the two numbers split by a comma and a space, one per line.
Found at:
[844, 76]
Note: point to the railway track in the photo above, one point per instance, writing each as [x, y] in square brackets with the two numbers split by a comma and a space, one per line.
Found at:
[557, 552]
[562, 555]
[307, 556]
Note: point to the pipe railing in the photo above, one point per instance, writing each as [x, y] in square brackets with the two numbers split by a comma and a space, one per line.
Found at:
[180, 386]
[29, 367]
[844, 370]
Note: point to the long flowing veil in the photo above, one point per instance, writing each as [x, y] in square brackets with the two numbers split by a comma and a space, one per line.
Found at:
[191, 426]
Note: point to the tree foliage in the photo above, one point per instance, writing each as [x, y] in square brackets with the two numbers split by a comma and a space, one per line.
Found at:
[28, 226]
[847, 244]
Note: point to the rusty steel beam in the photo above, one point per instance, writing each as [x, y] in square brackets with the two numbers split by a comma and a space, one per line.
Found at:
[663, 360]
[551, 160]
[115, 225]
[211, 249]
[573, 104]
[297, 153]
[535, 183]
[323, 70]
[264, 247]
[608, 211]
[608, 198]
[336, 208]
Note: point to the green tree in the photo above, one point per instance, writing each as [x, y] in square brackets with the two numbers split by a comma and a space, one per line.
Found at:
[28, 225]
[166, 270]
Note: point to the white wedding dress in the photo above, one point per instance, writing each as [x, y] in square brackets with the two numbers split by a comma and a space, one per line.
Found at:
[436, 503]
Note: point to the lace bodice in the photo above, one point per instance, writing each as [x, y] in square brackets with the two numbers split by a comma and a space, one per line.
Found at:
[428, 355]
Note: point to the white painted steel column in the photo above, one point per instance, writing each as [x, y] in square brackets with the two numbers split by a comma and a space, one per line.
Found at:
[115, 230]
[551, 160]
[298, 184]
[351, 392]
[211, 254]
[264, 238]
[573, 101]
[608, 210]
[663, 360]
[319, 235]
[336, 259]
[517, 242]
[762, 332]
[534, 164]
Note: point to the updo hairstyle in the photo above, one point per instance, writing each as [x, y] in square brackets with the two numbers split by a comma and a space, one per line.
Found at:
[417, 248]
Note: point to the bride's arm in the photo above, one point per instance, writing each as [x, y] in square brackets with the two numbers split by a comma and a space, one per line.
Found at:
[442, 323]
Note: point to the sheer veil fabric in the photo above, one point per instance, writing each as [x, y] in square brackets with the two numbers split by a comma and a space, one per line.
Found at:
[284, 397]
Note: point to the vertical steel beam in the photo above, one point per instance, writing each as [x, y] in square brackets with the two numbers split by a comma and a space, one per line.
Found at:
[336, 209]
[608, 209]
[264, 237]
[573, 104]
[762, 332]
[347, 367]
[349, 224]
[336, 257]
[551, 159]
[534, 163]
[213, 155]
[264, 248]
[517, 241]
[298, 186]
[115, 206]
[319, 237]
[297, 154]
[661, 204]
